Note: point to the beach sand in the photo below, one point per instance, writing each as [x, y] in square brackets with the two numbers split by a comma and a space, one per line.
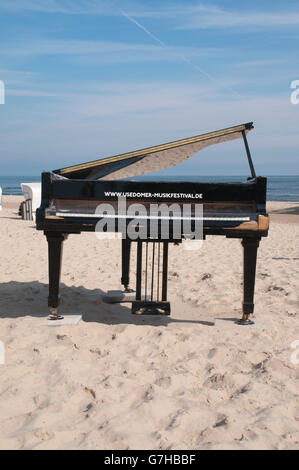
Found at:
[194, 380]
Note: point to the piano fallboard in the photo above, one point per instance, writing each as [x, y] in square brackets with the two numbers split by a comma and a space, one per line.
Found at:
[252, 190]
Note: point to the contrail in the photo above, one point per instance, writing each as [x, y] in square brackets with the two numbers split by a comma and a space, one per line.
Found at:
[151, 35]
[184, 58]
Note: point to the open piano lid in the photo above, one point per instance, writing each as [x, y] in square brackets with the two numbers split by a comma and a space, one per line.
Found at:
[148, 160]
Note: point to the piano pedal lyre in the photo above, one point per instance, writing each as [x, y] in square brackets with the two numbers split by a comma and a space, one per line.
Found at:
[152, 299]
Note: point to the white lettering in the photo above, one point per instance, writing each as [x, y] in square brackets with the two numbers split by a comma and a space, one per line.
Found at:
[295, 94]
[2, 92]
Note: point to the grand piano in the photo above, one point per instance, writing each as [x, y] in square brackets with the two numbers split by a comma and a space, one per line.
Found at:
[108, 196]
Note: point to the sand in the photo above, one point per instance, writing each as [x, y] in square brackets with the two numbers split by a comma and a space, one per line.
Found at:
[194, 380]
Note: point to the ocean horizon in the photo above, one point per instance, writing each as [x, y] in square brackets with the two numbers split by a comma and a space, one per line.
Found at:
[280, 188]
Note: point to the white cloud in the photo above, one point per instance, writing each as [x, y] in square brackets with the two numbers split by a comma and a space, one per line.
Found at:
[73, 122]
[81, 127]
[58, 6]
[94, 7]
[217, 18]
[262, 63]
[106, 51]
[16, 78]
[33, 93]
[191, 15]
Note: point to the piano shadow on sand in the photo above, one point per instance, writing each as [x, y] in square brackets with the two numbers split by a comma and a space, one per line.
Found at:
[25, 299]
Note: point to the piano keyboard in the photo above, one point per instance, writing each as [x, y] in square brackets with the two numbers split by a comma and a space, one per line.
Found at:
[148, 217]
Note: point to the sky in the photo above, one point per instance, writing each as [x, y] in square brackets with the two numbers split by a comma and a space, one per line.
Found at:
[86, 79]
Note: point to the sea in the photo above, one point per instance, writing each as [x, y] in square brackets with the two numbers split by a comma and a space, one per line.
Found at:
[280, 188]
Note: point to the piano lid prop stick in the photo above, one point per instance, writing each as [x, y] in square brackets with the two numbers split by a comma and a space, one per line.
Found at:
[253, 174]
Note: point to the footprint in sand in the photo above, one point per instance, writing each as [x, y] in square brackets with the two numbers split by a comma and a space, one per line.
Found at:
[163, 382]
[222, 420]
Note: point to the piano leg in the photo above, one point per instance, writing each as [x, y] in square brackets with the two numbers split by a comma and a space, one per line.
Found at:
[55, 243]
[125, 257]
[250, 246]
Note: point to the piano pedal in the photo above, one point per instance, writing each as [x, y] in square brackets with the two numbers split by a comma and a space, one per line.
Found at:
[150, 308]
[54, 315]
[245, 320]
[122, 296]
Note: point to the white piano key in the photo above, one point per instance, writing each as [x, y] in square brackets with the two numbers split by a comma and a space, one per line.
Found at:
[154, 217]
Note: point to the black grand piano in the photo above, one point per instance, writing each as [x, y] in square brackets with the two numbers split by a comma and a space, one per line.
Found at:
[106, 196]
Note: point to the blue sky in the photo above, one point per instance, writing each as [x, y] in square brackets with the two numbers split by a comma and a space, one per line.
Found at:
[86, 79]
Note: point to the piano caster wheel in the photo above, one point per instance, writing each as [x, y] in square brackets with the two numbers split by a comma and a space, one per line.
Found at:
[54, 315]
[245, 320]
[128, 289]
